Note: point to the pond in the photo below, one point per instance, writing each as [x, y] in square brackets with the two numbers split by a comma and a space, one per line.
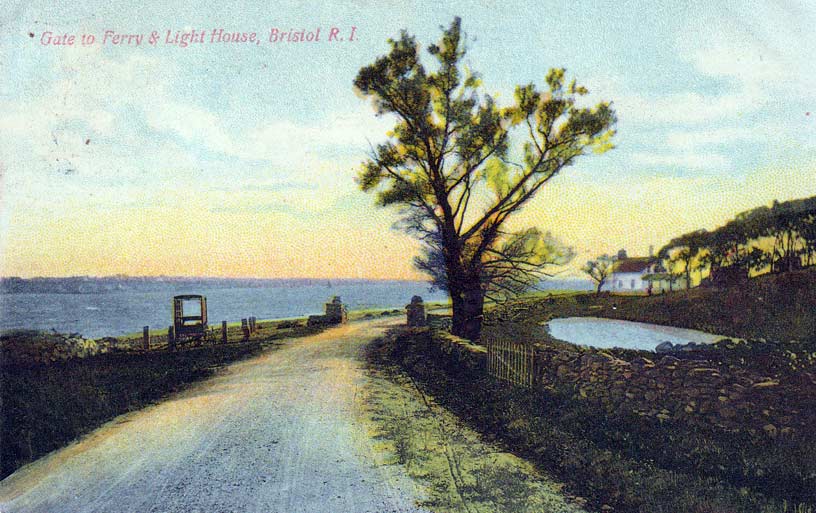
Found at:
[609, 333]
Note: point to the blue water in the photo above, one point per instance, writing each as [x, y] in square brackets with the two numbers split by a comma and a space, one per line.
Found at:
[609, 333]
[119, 312]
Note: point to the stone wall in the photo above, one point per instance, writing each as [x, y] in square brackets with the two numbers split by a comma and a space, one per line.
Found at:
[693, 391]
[462, 352]
[690, 389]
[439, 322]
[335, 314]
[35, 348]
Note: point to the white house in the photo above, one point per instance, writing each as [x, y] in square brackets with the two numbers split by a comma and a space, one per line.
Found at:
[628, 275]
[640, 274]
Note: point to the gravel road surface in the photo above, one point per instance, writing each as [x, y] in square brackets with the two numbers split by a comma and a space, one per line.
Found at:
[276, 433]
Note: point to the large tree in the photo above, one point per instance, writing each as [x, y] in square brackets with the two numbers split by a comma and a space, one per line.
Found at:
[450, 166]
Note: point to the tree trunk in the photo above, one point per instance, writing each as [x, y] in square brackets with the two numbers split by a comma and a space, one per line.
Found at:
[465, 289]
[457, 305]
[472, 314]
[598, 289]
[467, 302]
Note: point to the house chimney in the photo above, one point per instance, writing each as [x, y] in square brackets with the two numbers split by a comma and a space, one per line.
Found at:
[622, 254]
[651, 251]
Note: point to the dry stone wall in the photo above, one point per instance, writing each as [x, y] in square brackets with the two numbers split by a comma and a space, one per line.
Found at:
[688, 388]
[693, 391]
[35, 348]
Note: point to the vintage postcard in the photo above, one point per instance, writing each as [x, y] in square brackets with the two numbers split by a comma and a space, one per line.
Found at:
[416, 256]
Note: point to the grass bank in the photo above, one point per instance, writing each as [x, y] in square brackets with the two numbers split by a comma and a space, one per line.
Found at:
[775, 307]
[457, 470]
[615, 460]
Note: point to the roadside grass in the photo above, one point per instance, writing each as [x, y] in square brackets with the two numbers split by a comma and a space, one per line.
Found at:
[456, 469]
[371, 313]
[611, 461]
[538, 294]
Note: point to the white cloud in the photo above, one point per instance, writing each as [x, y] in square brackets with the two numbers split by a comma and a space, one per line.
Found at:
[106, 101]
[763, 48]
[689, 108]
[750, 64]
[694, 139]
[755, 58]
[337, 131]
[320, 155]
[194, 124]
[686, 108]
[697, 161]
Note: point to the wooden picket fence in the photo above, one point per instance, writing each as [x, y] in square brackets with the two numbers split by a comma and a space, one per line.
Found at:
[512, 362]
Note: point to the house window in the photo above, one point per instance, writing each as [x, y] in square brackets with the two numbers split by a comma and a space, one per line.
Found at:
[620, 284]
[632, 285]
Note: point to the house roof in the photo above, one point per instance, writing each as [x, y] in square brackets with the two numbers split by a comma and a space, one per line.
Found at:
[632, 265]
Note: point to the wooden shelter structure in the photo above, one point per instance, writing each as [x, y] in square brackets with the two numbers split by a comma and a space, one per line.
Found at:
[189, 326]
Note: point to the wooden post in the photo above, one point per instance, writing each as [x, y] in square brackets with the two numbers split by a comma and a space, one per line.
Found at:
[146, 338]
[537, 368]
[245, 328]
[171, 339]
[223, 332]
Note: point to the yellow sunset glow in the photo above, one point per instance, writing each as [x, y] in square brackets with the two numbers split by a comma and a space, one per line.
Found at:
[183, 235]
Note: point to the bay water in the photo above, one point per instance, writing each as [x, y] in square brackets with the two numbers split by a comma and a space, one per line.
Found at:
[118, 312]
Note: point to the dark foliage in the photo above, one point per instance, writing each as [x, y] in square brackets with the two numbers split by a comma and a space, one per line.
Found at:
[778, 238]
[46, 406]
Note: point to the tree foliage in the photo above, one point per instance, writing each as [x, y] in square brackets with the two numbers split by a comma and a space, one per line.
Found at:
[683, 250]
[459, 165]
[600, 269]
[778, 238]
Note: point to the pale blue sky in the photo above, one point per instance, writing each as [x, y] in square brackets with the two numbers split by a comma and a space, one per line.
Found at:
[712, 102]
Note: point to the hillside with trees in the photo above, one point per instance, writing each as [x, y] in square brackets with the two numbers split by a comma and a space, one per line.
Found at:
[774, 239]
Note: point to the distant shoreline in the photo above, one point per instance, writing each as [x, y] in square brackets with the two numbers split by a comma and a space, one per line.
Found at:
[96, 285]
[162, 277]
[116, 283]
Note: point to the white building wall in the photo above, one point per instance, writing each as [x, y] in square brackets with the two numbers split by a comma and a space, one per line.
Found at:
[625, 282]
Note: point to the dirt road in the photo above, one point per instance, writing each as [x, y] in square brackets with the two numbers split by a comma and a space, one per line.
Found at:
[276, 433]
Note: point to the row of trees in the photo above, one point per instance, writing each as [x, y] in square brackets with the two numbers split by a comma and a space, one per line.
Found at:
[778, 238]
